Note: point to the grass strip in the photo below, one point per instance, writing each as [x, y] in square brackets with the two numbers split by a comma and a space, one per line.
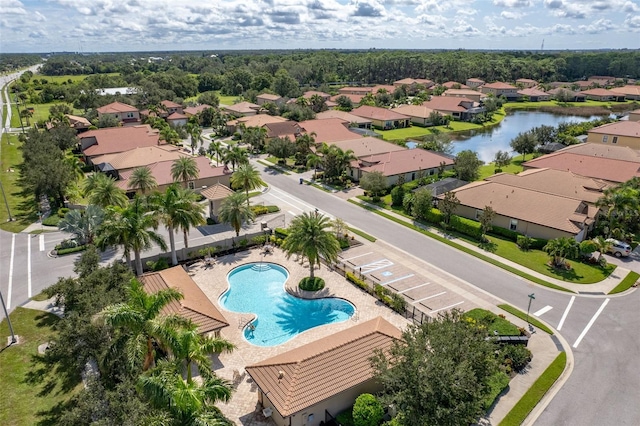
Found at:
[523, 316]
[315, 185]
[463, 248]
[273, 167]
[362, 234]
[626, 283]
[532, 397]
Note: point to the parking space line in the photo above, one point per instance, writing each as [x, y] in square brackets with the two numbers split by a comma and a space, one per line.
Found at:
[542, 311]
[397, 279]
[29, 266]
[447, 307]
[13, 249]
[566, 312]
[593, 319]
[412, 288]
[355, 257]
[430, 297]
[41, 242]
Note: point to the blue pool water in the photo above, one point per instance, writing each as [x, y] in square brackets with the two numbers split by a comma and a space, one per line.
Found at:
[259, 288]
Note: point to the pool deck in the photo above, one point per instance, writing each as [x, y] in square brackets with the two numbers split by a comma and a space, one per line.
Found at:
[242, 408]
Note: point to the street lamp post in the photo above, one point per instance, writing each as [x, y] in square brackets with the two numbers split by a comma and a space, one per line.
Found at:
[6, 314]
[531, 297]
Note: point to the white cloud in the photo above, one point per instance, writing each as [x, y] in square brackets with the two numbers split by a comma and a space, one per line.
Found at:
[512, 3]
[599, 26]
[505, 14]
[633, 22]
[12, 7]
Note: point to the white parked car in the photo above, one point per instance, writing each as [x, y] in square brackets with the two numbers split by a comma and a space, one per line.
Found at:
[619, 248]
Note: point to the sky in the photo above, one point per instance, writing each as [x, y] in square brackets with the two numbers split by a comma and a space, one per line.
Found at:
[148, 25]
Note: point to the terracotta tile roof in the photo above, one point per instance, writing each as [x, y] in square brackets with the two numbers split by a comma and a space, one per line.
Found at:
[170, 104]
[242, 107]
[257, 120]
[355, 90]
[308, 94]
[177, 116]
[76, 121]
[476, 80]
[447, 103]
[463, 92]
[324, 368]
[627, 90]
[368, 146]
[284, 129]
[195, 305]
[526, 80]
[570, 93]
[269, 97]
[355, 99]
[142, 156]
[217, 192]
[614, 152]
[557, 182]
[532, 92]
[452, 84]
[411, 81]
[499, 85]
[196, 109]
[608, 169]
[161, 171]
[400, 162]
[328, 129]
[118, 139]
[388, 88]
[419, 111]
[376, 113]
[619, 128]
[116, 107]
[551, 211]
[343, 115]
[599, 92]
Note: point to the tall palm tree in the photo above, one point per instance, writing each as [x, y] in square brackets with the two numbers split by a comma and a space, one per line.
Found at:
[134, 228]
[310, 236]
[236, 155]
[177, 209]
[235, 211]
[303, 146]
[103, 191]
[561, 248]
[195, 134]
[247, 178]
[142, 323]
[184, 169]
[216, 148]
[75, 166]
[314, 160]
[83, 225]
[188, 403]
[142, 179]
[602, 245]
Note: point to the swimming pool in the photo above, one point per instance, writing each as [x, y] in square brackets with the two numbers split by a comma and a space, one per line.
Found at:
[259, 288]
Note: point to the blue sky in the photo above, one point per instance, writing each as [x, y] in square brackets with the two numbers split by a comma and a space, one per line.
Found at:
[138, 25]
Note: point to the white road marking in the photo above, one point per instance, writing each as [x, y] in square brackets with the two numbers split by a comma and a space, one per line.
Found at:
[29, 266]
[374, 266]
[284, 194]
[430, 297]
[292, 213]
[13, 248]
[412, 288]
[285, 201]
[355, 257]
[41, 241]
[566, 312]
[397, 279]
[542, 311]
[447, 307]
[593, 319]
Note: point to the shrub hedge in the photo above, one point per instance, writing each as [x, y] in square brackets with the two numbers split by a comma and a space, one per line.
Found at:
[281, 233]
[62, 252]
[466, 226]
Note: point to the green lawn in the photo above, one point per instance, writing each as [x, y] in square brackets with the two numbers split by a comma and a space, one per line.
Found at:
[631, 278]
[523, 316]
[40, 113]
[23, 396]
[493, 322]
[64, 78]
[514, 168]
[227, 100]
[22, 209]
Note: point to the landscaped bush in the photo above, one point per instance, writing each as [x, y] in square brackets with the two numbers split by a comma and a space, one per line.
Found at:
[538, 243]
[52, 220]
[524, 242]
[516, 356]
[357, 281]
[311, 284]
[62, 211]
[367, 411]
[497, 383]
[281, 233]
[344, 243]
[507, 233]
[62, 252]
[345, 418]
[259, 239]
[434, 216]
[67, 244]
[466, 226]
[158, 265]
[397, 196]
[273, 209]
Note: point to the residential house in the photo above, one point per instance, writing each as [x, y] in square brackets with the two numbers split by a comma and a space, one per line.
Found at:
[361, 91]
[442, 186]
[383, 88]
[125, 114]
[534, 95]
[215, 195]
[465, 93]
[253, 121]
[411, 164]
[583, 85]
[177, 119]
[527, 211]
[208, 175]
[382, 118]
[570, 95]
[602, 95]
[474, 82]
[499, 88]
[79, 124]
[611, 163]
[367, 146]
[526, 83]
[623, 133]
[195, 110]
[284, 129]
[170, 107]
[241, 109]
[353, 120]
[602, 80]
[298, 387]
[139, 157]
[117, 139]
[413, 82]
[328, 130]
[418, 114]
[629, 92]
[634, 115]
[459, 108]
[194, 304]
[454, 85]
[311, 93]
[355, 99]
[266, 98]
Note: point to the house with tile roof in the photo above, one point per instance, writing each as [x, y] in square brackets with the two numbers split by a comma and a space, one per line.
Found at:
[500, 88]
[253, 121]
[80, 124]
[177, 119]
[241, 109]
[113, 140]
[297, 387]
[418, 114]
[284, 129]
[630, 92]
[266, 98]
[367, 146]
[328, 130]
[215, 195]
[603, 95]
[474, 82]
[526, 83]
[355, 98]
[460, 108]
[194, 305]
[353, 120]
[465, 93]
[634, 115]
[454, 85]
[564, 93]
[411, 164]
[382, 118]
[125, 114]
[362, 91]
[414, 82]
[534, 95]
[621, 133]
[195, 110]
[140, 157]
[170, 107]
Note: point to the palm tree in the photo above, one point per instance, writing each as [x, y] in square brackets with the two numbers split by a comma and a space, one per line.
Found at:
[235, 211]
[177, 209]
[602, 245]
[314, 160]
[83, 225]
[169, 135]
[310, 236]
[303, 146]
[103, 191]
[195, 134]
[216, 148]
[561, 248]
[142, 179]
[236, 155]
[247, 178]
[188, 403]
[142, 323]
[184, 169]
[75, 165]
[133, 228]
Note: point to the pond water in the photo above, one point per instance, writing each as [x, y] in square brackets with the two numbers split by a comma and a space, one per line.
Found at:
[488, 141]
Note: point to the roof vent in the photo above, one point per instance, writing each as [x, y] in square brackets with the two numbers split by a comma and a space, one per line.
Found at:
[280, 375]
